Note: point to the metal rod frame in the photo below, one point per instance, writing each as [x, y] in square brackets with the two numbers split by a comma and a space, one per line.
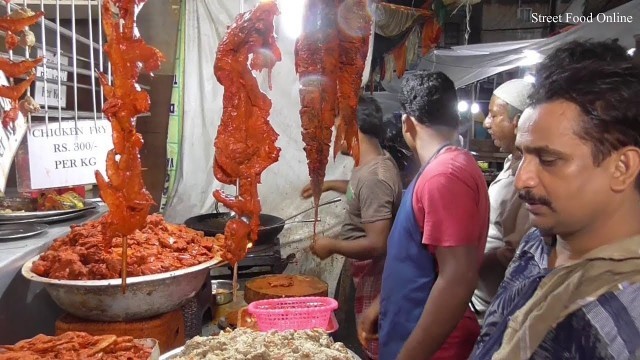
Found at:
[85, 62]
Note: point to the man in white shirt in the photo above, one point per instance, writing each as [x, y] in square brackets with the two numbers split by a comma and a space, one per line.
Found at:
[509, 220]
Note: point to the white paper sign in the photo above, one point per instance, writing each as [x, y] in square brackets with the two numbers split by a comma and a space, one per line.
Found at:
[54, 97]
[69, 156]
[10, 139]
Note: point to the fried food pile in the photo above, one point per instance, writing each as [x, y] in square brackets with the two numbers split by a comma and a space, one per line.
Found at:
[18, 22]
[76, 345]
[67, 201]
[245, 143]
[157, 248]
[128, 200]
[330, 58]
[242, 343]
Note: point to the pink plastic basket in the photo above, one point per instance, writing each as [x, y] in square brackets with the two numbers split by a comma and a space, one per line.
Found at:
[300, 313]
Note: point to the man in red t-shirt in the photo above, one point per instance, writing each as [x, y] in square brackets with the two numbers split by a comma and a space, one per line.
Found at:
[438, 237]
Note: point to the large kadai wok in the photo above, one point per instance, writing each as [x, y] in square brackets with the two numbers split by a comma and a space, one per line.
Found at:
[271, 226]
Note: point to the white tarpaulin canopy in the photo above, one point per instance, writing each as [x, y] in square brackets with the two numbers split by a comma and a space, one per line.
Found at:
[468, 64]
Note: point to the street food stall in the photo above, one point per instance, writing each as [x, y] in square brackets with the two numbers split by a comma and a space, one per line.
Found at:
[104, 257]
[107, 278]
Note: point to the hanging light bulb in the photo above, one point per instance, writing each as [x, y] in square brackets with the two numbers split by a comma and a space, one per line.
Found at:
[475, 108]
[463, 106]
[291, 14]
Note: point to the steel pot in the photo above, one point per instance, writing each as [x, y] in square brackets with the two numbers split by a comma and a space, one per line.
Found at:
[222, 291]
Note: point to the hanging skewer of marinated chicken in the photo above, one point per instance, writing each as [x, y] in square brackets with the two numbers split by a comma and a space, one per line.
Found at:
[330, 58]
[245, 143]
[18, 22]
[128, 200]
[316, 62]
[354, 31]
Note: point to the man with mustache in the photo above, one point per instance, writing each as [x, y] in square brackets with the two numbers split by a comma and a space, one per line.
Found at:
[572, 289]
[508, 219]
[438, 237]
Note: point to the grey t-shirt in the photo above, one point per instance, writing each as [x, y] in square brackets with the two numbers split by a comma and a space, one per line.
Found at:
[373, 194]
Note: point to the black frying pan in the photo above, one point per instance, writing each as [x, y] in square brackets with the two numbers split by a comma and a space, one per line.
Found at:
[271, 226]
[213, 224]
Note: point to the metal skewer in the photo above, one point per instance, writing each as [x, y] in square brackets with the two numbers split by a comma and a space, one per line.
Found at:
[124, 264]
[235, 266]
[286, 221]
[235, 281]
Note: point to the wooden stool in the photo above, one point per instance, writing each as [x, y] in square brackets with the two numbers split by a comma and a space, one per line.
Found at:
[168, 328]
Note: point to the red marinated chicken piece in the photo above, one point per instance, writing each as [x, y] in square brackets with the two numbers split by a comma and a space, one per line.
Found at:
[15, 69]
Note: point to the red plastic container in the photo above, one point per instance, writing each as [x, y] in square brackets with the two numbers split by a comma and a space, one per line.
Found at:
[302, 313]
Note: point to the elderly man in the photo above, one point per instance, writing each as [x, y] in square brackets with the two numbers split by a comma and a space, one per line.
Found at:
[571, 292]
[509, 220]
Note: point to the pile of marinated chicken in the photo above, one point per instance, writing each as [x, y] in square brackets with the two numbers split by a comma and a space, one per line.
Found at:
[76, 345]
[157, 248]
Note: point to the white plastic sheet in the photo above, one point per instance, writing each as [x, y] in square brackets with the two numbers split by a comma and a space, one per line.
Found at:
[206, 24]
[468, 64]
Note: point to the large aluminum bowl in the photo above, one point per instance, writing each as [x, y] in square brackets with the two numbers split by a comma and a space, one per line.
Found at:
[146, 296]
